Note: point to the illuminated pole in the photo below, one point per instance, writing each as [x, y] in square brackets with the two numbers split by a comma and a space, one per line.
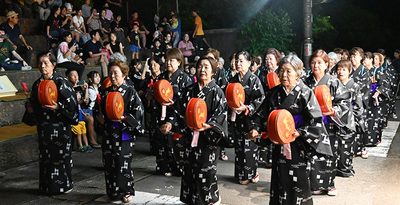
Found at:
[177, 6]
[308, 18]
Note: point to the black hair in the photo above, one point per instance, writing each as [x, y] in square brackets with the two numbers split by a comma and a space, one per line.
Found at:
[246, 55]
[91, 75]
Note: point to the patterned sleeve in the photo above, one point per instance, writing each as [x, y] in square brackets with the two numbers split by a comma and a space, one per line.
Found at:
[257, 96]
[134, 114]
[218, 118]
[384, 84]
[313, 132]
[358, 108]
[67, 102]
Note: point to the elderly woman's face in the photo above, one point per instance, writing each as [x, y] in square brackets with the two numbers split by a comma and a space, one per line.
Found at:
[288, 75]
[271, 61]
[46, 68]
[318, 66]
[242, 64]
[117, 77]
[204, 71]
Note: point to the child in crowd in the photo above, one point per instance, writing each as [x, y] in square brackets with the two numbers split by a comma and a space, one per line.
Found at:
[83, 98]
[134, 41]
[157, 52]
[93, 106]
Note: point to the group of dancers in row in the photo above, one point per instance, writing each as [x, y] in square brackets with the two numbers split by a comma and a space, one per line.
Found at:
[324, 143]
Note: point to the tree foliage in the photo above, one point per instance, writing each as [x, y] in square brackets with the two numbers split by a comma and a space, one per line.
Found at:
[268, 29]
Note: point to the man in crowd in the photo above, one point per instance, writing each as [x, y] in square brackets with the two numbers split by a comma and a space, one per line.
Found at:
[7, 52]
[93, 52]
[15, 36]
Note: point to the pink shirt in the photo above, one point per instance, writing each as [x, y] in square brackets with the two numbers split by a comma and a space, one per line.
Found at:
[186, 48]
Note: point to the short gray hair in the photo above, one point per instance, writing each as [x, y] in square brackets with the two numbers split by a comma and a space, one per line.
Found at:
[333, 56]
[295, 62]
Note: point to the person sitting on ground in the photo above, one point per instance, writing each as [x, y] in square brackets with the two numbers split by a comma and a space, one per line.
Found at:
[65, 19]
[66, 56]
[79, 28]
[53, 24]
[86, 9]
[7, 52]
[109, 14]
[116, 27]
[115, 46]
[83, 98]
[105, 25]
[92, 52]
[40, 9]
[93, 21]
[15, 36]
[187, 48]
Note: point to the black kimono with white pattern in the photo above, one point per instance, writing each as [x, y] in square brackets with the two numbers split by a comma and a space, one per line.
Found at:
[118, 142]
[54, 135]
[351, 122]
[199, 180]
[377, 113]
[290, 179]
[361, 77]
[170, 156]
[246, 160]
[323, 167]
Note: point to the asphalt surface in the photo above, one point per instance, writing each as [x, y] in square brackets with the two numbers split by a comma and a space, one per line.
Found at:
[377, 181]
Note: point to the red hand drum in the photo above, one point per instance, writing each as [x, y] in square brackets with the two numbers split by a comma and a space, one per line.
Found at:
[47, 92]
[235, 95]
[163, 91]
[281, 126]
[273, 80]
[114, 105]
[324, 98]
[196, 113]
[106, 83]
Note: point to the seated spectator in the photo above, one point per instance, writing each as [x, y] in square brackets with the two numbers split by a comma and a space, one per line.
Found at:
[115, 46]
[86, 10]
[79, 29]
[82, 96]
[15, 36]
[116, 27]
[52, 3]
[66, 56]
[165, 24]
[41, 10]
[7, 52]
[93, 21]
[187, 48]
[167, 43]
[93, 54]
[158, 34]
[65, 18]
[109, 14]
[105, 25]
[53, 25]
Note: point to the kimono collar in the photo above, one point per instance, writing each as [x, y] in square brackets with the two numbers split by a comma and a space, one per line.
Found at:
[349, 83]
[295, 89]
[206, 89]
[245, 77]
[175, 75]
[324, 80]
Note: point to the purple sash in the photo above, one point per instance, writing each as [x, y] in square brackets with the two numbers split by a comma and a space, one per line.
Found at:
[298, 120]
[325, 119]
[374, 86]
[125, 135]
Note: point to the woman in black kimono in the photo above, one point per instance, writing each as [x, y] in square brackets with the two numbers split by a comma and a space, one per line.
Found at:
[290, 178]
[379, 101]
[246, 160]
[355, 120]
[119, 137]
[170, 156]
[272, 58]
[54, 130]
[199, 180]
[360, 76]
[323, 167]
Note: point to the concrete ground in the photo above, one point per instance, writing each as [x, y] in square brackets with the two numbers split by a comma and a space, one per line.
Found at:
[377, 181]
